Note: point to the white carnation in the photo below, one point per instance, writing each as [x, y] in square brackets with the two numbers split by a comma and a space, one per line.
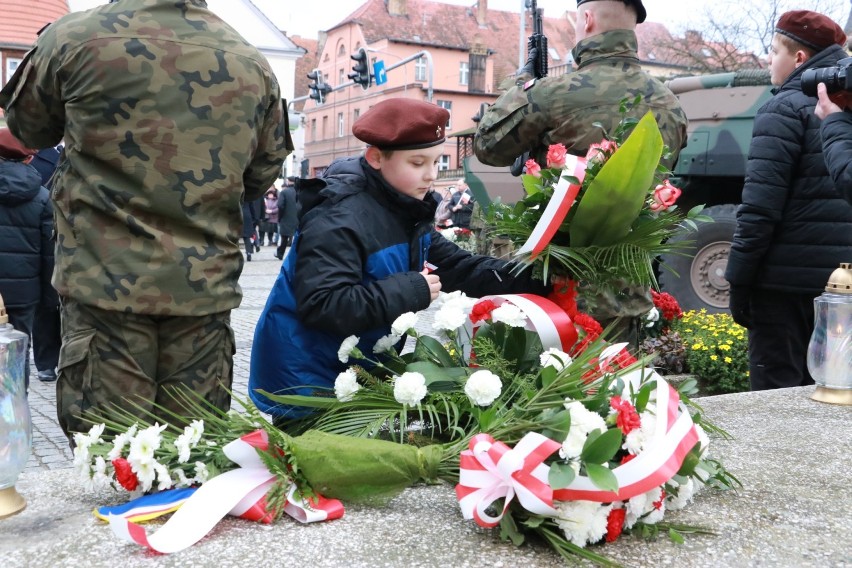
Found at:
[386, 343]
[703, 439]
[583, 522]
[346, 385]
[403, 323]
[346, 348]
[409, 388]
[509, 314]
[652, 317]
[642, 507]
[449, 317]
[682, 496]
[483, 387]
[583, 422]
[555, 358]
[638, 438]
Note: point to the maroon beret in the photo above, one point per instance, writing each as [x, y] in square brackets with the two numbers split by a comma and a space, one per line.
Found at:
[402, 124]
[11, 148]
[641, 14]
[811, 29]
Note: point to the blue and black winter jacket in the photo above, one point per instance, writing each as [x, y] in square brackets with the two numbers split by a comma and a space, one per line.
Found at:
[354, 267]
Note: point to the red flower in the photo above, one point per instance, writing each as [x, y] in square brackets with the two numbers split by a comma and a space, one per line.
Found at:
[627, 418]
[482, 311]
[627, 458]
[533, 168]
[601, 151]
[659, 504]
[556, 155]
[614, 524]
[665, 196]
[124, 474]
[668, 306]
[564, 295]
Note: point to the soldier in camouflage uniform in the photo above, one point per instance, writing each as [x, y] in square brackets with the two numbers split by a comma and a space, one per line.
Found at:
[170, 119]
[539, 112]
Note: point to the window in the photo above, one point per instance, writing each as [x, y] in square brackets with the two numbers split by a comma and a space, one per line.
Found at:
[325, 127]
[464, 72]
[340, 77]
[420, 69]
[313, 129]
[444, 163]
[449, 106]
[341, 51]
[340, 130]
[355, 114]
[11, 66]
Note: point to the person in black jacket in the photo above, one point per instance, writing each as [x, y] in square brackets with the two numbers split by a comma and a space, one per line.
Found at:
[462, 205]
[288, 210]
[793, 228]
[836, 131]
[359, 257]
[26, 225]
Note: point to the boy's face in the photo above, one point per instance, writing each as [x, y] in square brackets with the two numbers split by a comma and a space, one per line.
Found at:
[781, 62]
[410, 172]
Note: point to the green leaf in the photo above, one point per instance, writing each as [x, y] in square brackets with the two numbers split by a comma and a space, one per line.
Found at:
[532, 184]
[557, 425]
[300, 400]
[615, 197]
[602, 477]
[430, 349]
[691, 460]
[438, 379]
[561, 475]
[601, 448]
[675, 536]
[644, 395]
[548, 375]
[509, 531]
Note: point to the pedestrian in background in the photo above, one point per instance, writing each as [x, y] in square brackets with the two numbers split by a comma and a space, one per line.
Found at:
[793, 228]
[462, 205]
[47, 326]
[270, 218]
[26, 224]
[163, 138]
[288, 211]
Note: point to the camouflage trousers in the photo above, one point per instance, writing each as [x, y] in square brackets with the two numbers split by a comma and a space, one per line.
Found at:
[624, 305]
[111, 359]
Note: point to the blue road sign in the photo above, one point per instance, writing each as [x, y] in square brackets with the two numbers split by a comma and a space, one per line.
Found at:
[379, 74]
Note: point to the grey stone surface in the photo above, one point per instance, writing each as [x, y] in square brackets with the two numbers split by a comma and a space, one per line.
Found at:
[790, 453]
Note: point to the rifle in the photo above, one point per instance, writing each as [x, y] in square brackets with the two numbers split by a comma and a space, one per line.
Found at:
[538, 40]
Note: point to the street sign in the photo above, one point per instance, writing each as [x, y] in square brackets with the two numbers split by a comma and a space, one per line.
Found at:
[380, 77]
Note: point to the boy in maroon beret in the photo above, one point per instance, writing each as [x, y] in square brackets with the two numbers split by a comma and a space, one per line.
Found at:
[366, 251]
[793, 227]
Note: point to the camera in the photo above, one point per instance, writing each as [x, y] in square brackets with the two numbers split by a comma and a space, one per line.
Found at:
[837, 78]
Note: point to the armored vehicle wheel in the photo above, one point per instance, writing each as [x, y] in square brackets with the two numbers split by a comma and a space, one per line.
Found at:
[700, 279]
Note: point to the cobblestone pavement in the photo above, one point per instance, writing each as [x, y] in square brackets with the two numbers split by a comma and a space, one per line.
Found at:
[50, 447]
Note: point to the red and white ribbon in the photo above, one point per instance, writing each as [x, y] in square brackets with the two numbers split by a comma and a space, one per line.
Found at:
[491, 470]
[564, 195]
[553, 326]
[674, 437]
[239, 492]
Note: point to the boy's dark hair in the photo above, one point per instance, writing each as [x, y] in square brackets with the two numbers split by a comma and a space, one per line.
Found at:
[793, 46]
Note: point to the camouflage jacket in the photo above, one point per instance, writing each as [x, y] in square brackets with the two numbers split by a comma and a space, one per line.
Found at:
[169, 116]
[533, 115]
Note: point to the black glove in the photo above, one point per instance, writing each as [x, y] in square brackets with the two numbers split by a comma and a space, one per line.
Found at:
[740, 305]
[529, 66]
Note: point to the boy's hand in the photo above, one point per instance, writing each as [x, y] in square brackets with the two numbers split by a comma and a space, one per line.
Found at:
[434, 282]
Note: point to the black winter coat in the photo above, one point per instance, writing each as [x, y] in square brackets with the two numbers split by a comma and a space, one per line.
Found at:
[793, 228]
[26, 226]
[288, 211]
[836, 133]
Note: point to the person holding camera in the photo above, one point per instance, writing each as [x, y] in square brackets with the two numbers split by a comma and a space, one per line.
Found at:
[836, 131]
[793, 229]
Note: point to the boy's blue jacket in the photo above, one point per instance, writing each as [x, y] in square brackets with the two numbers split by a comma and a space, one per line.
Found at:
[354, 267]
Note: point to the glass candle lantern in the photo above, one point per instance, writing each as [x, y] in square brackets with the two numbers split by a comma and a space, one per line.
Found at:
[15, 422]
[830, 348]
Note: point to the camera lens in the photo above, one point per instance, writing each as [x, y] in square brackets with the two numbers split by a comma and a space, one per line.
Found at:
[813, 77]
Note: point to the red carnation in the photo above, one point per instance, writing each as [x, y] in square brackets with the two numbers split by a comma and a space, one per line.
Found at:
[564, 295]
[659, 504]
[627, 418]
[614, 524]
[124, 474]
[482, 311]
[627, 458]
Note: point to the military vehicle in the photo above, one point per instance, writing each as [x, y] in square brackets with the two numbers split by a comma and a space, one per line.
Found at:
[710, 170]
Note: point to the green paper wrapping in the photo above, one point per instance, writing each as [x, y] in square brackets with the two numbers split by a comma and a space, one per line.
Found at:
[362, 470]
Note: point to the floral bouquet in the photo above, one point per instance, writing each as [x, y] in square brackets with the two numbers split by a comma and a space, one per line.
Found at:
[601, 218]
[462, 237]
[658, 320]
[546, 428]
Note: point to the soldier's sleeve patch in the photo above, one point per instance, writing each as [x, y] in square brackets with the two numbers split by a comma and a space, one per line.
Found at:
[528, 85]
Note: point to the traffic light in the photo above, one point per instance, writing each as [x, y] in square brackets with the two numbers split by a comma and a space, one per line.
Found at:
[318, 88]
[361, 70]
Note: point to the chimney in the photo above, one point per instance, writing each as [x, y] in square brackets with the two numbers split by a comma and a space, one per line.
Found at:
[481, 12]
[397, 8]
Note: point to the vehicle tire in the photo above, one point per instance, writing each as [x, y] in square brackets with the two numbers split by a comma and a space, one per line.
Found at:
[699, 281]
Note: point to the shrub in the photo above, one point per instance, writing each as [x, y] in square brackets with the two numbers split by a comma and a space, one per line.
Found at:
[671, 354]
[716, 350]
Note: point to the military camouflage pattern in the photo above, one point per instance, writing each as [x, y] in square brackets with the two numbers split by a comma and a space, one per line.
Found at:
[168, 116]
[562, 109]
[109, 358]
